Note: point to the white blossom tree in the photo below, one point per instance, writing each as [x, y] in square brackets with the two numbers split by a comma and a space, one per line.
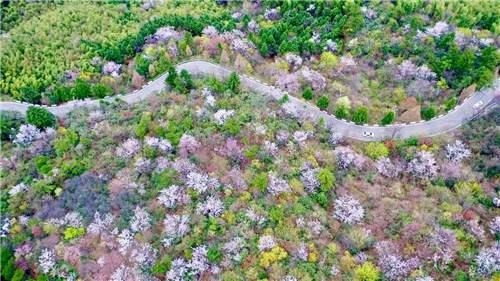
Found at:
[348, 210]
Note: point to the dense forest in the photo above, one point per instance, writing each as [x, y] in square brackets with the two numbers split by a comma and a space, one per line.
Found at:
[403, 60]
[210, 180]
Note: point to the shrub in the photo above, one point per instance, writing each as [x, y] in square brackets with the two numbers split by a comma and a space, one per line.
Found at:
[360, 116]
[40, 117]
[376, 150]
[429, 112]
[323, 102]
[388, 118]
[308, 94]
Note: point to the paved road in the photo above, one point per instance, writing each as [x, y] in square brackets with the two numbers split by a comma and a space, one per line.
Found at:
[450, 121]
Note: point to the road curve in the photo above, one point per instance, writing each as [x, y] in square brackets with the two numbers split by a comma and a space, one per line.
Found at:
[439, 125]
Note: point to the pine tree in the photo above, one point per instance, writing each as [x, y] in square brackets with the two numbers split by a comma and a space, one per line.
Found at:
[172, 74]
[308, 94]
[388, 118]
[323, 102]
[233, 83]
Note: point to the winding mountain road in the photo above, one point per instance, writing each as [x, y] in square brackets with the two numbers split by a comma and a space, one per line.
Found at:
[453, 119]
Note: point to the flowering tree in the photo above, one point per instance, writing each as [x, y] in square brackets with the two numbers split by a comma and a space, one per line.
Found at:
[457, 152]
[288, 82]
[140, 221]
[488, 260]
[176, 225]
[314, 78]
[406, 70]
[21, 187]
[276, 186]
[300, 137]
[386, 168]
[309, 177]
[233, 248]
[210, 31]
[173, 196]
[272, 14]
[293, 60]
[124, 272]
[27, 134]
[424, 165]
[102, 227]
[331, 46]
[129, 149]
[164, 34]
[112, 68]
[201, 182]
[47, 260]
[348, 210]
[444, 243]
[188, 144]
[253, 26]
[241, 45]
[495, 225]
[425, 73]
[212, 207]
[222, 115]
[266, 243]
[178, 270]
[347, 157]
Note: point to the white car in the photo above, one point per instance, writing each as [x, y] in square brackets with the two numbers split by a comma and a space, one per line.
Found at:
[368, 134]
[478, 104]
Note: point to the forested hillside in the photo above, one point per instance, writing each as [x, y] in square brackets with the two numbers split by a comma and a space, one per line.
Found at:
[405, 61]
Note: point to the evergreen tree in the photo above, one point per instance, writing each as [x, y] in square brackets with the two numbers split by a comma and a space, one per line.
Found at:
[323, 102]
[360, 116]
[308, 94]
[233, 83]
[172, 74]
[341, 113]
[40, 117]
[388, 118]
[263, 49]
[30, 95]
[429, 112]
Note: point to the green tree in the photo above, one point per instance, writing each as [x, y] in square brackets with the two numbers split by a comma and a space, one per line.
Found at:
[366, 272]
[323, 102]
[376, 150]
[143, 127]
[82, 89]
[30, 95]
[18, 275]
[188, 38]
[429, 112]
[260, 181]
[341, 113]
[40, 117]
[101, 91]
[232, 126]
[326, 178]
[263, 50]
[9, 120]
[388, 118]
[7, 263]
[489, 58]
[233, 83]
[450, 104]
[172, 74]
[307, 94]
[465, 61]
[360, 116]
